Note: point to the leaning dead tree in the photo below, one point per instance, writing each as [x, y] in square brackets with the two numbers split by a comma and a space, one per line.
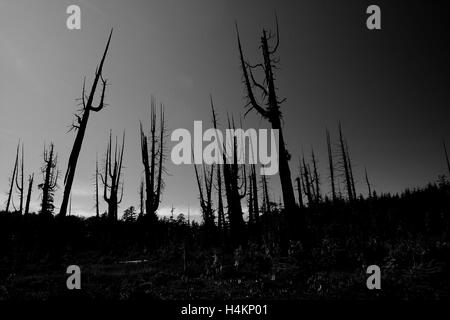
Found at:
[112, 177]
[12, 180]
[307, 183]
[446, 159]
[50, 181]
[87, 102]
[271, 112]
[153, 162]
[30, 187]
[345, 165]
[368, 183]
[19, 183]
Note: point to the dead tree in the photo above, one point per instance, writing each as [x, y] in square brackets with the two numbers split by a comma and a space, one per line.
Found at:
[50, 180]
[272, 111]
[221, 223]
[113, 172]
[299, 186]
[13, 179]
[316, 178]
[368, 184]
[235, 179]
[266, 200]
[255, 194]
[350, 167]
[153, 166]
[345, 165]
[312, 183]
[80, 128]
[446, 159]
[251, 220]
[97, 208]
[308, 184]
[331, 166]
[30, 187]
[141, 199]
[205, 192]
[19, 183]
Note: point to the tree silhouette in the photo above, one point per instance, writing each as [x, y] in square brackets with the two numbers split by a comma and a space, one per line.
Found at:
[50, 180]
[272, 111]
[113, 172]
[153, 166]
[13, 179]
[80, 128]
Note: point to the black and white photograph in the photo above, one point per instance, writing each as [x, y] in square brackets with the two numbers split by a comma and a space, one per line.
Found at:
[223, 158]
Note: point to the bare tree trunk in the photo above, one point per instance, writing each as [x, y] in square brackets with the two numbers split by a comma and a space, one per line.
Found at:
[80, 127]
[306, 178]
[331, 166]
[30, 187]
[19, 185]
[299, 190]
[97, 209]
[250, 203]
[141, 199]
[446, 159]
[206, 199]
[346, 166]
[255, 194]
[316, 177]
[13, 179]
[368, 184]
[349, 161]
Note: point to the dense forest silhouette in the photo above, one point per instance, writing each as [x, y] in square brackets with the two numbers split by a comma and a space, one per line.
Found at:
[309, 244]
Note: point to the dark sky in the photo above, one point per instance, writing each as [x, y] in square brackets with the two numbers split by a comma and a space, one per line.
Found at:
[389, 88]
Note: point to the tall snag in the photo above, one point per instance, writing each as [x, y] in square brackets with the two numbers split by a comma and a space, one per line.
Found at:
[50, 181]
[368, 184]
[113, 171]
[350, 167]
[153, 166]
[80, 127]
[221, 224]
[316, 178]
[30, 187]
[299, 182]
[235, 179]
[97, 209]
[13, 179]
[19, 183]
[205, 191]
[446, 159]
[345, 165]
[331, 166]
[272, 111]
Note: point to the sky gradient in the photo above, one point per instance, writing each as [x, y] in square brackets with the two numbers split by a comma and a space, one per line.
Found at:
[389, 88]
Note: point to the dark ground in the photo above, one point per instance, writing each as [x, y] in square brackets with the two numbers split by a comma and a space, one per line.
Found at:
[406, 235]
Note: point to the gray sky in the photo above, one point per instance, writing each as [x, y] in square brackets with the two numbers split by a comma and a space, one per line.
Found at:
[388, 88]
